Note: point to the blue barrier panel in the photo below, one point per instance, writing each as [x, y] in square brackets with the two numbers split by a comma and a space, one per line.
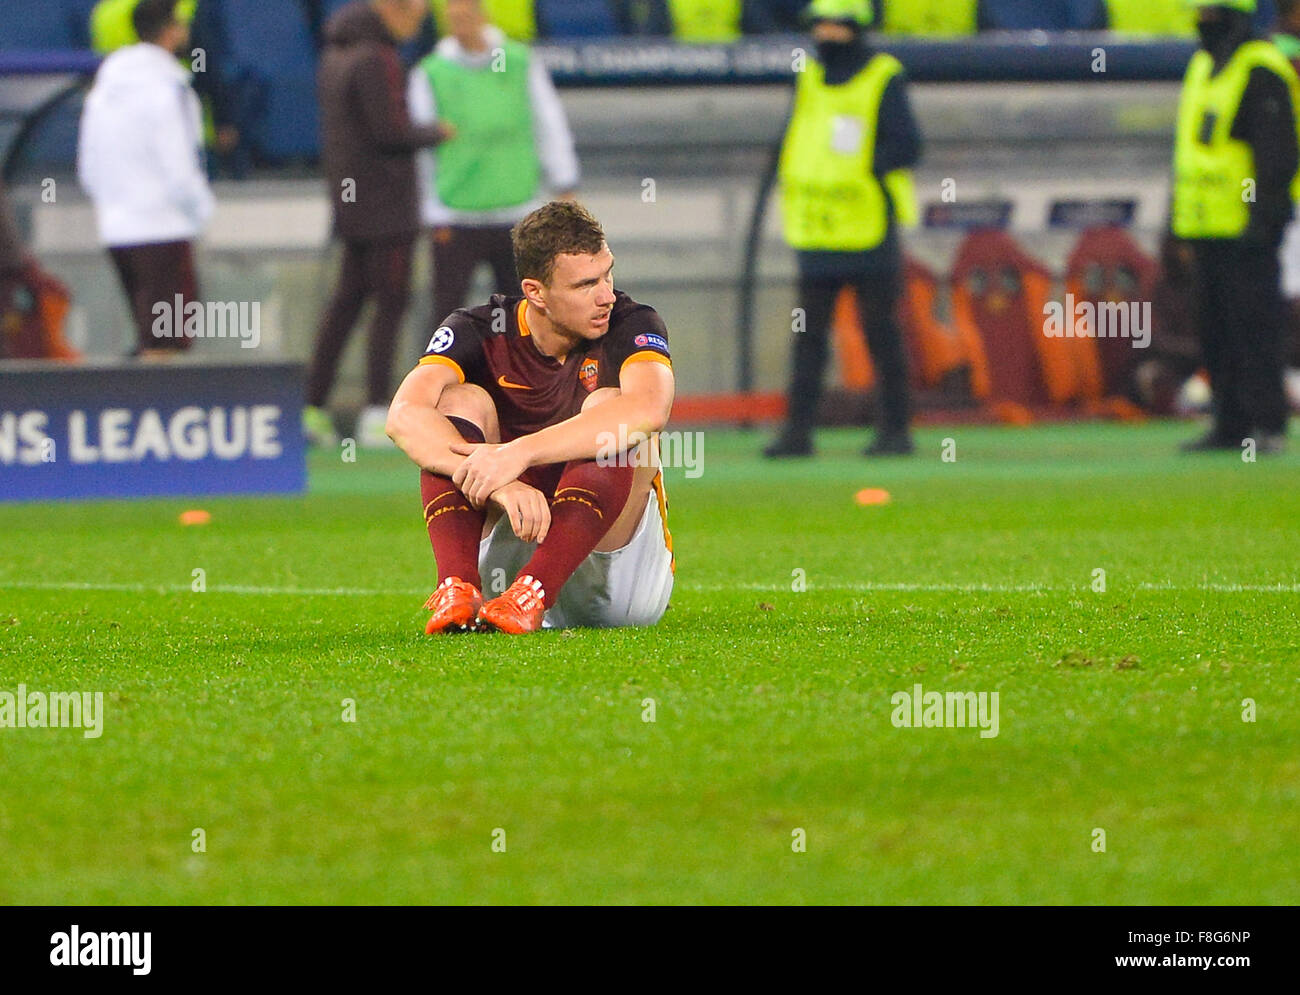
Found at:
[132, 430]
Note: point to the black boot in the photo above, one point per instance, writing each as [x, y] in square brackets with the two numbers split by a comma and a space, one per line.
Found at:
[791, 442]
[1270, 443]
[1212, 441]
[897, 442]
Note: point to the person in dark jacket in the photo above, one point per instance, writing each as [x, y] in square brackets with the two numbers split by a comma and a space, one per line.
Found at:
[368, 146]
[1236, 157]
[846, 174]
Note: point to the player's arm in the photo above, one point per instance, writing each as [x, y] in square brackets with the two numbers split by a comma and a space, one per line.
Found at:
[417, 426]
[426, 435]
[645, 400]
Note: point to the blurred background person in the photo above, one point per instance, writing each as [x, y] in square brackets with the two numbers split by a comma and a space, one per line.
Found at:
[33, 304]
[232, 94]
[846, 184]
[512, 145]
[705, 21]
[13, 257]
[111, 27]
[1287, 37]
[517, 18]
[139, 159]
[1236, 156]
[368, 145]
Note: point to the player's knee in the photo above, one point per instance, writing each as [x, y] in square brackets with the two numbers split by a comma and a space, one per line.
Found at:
[600, 396]
[474, 404]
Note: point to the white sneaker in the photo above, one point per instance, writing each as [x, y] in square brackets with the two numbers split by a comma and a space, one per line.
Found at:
[1195, 397]
[371, 432]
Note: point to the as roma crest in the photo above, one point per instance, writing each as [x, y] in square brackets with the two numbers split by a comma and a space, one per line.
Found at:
[589, 374]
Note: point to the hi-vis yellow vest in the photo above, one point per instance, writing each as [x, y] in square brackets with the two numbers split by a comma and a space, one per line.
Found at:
[706, 20]
[830, 198]
[1214, 174]
[931, 17]
[1152, 17]
[111, 26]
[516, 18]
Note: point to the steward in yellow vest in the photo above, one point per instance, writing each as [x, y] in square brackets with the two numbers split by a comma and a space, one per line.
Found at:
[933, 17]
[1236, 158]
[1151, 17]
[705, 21]
[846, 187]
[111, 27]
[517, 18]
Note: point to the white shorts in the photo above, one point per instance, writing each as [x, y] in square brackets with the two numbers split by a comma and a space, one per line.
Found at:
[625, 587]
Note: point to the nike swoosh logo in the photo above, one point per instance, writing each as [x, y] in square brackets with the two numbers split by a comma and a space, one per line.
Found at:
[506, 383]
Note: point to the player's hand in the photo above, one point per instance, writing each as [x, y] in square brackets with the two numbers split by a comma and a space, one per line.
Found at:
[487, 469]
[527, 508]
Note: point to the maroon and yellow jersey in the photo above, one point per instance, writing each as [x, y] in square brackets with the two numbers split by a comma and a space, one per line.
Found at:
[491, 346]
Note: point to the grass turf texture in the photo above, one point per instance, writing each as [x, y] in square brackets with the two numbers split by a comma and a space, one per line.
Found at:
[1119, 710]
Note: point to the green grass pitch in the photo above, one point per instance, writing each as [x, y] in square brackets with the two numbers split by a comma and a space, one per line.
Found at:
[1120, 710]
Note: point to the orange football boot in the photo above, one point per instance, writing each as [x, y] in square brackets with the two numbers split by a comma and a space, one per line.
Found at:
[520, 609]
[455, 605]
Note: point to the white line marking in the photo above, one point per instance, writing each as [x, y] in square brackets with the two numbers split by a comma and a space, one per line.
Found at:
[861, 588]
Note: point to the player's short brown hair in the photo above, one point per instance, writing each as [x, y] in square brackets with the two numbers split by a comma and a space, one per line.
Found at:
[553, 230]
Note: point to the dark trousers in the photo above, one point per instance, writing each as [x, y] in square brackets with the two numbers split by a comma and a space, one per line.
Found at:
[878, 295]
[1240, 318]
[156, 274]
[457, 253]
[370, 270]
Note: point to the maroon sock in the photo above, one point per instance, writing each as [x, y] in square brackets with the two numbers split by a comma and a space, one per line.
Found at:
[587, 502]
[455, 528]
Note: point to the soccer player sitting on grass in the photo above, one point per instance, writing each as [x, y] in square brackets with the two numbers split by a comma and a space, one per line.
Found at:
[516, 414]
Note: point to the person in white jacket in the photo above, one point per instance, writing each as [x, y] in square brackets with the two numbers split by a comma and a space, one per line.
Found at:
[512, 145]
[139, 159]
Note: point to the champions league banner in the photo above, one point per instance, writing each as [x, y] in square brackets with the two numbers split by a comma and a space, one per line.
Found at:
[1003, 56]
[170, 429]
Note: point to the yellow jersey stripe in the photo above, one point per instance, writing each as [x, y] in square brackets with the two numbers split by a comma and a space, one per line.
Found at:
[443, 361]
[658, 485]
[646, 356]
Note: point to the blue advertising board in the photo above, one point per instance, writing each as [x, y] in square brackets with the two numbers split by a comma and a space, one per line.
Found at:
[186, 427]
